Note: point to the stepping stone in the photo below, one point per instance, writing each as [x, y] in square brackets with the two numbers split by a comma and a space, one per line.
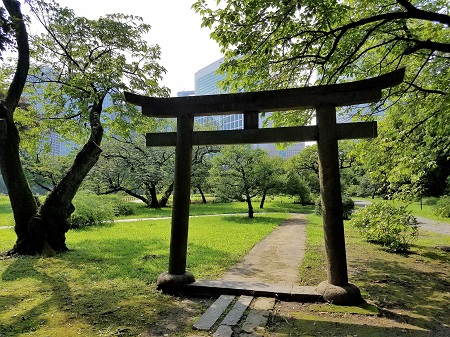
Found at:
[223, 331]
[234, 316]
[258, 315]
[212, 314]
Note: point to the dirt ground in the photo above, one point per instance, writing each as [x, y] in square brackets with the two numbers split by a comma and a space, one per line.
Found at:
[276, 260]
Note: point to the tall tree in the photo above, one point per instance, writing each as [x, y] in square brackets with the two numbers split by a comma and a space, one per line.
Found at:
[130, 167]
[78, 64]
[201, 164]
[238, 174]
[22, 201]
[279, 44]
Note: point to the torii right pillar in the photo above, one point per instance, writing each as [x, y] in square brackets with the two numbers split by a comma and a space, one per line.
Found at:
[336, 289]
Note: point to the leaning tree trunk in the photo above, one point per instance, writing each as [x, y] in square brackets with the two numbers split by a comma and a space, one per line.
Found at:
[249, 204]
[57, 207]
[201, 193]
[22, 200]
[263, 199]
[166, 196]
[47, 228]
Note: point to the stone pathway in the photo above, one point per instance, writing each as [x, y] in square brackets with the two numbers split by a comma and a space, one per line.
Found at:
[274, 260]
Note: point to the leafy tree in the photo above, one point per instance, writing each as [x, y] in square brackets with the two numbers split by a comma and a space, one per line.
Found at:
[280, 44]
[237, 174]
[201, 164]
[306, 164]
[297, 187]
[78, 64]
[132, 168]
[272, 177]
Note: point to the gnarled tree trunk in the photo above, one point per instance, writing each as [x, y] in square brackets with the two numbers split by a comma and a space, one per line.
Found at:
[166, 196]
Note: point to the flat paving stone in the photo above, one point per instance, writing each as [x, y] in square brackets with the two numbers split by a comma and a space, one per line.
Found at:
[213, 313]
[211, 288]
[259, 315]
[223, 331]
[235, 314]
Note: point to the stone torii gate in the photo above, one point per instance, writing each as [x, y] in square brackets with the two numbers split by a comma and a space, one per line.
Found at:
[324, 99]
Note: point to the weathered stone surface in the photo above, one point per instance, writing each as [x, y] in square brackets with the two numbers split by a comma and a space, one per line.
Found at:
[258, 315]
[235, 314]
[340, 295]
[212, 314]
[210, 288]
[223, 331]
[174, 283]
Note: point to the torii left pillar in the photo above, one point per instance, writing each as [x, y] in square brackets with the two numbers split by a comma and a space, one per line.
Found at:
[177, 276]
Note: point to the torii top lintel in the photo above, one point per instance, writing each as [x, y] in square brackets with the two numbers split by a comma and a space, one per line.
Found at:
[364, 91]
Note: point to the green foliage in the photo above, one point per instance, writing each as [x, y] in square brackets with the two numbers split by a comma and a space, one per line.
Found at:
[297, 187]
[271, 45]
[120, 206]
[131, 167]
[442, 207]
[347, 207]
[78, 64]
[238, 171]
[384, 224]
[430, 201]
[91, 210]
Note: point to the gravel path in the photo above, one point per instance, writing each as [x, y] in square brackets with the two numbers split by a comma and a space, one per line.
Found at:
[276, 258]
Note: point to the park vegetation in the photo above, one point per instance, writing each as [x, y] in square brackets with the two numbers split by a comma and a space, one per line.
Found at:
[65, 80]
[66, 74]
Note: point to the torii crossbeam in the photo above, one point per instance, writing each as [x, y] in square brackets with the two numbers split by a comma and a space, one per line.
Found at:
[324, 99]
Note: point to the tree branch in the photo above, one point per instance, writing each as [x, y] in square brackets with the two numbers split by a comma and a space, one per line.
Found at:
[23, 62]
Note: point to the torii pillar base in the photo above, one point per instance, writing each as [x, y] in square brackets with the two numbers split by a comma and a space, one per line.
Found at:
[340, 295]
[172, 283]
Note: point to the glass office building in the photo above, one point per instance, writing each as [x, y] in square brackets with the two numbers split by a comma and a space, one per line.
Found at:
[206, 83]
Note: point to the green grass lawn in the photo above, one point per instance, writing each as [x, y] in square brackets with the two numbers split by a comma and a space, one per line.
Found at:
[6, 217]
[105, 285]
[284, 205]
[411, 290]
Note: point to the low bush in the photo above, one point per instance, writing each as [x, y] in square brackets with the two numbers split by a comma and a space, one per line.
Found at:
[91, 210]
[120, 206]
[347, 207]
[384, 224]
[442, 207]
[430, 201]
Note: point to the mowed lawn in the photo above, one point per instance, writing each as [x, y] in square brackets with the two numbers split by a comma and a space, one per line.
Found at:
[105, 285]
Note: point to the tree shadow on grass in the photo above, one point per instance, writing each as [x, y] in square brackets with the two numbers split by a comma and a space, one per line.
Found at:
[245, 220]
[305, 323]
[102, 287]
[410, 290]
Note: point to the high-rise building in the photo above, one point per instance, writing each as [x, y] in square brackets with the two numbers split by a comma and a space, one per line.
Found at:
[206, 83]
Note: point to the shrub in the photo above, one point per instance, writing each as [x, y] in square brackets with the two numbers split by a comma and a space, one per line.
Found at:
[442, 207]
[430, 201]
[120, 206]
[384, 224]
[91, 210]
[347, 207]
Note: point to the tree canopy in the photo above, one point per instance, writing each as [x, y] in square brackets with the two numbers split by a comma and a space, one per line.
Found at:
[280, 44]
[78, 71]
